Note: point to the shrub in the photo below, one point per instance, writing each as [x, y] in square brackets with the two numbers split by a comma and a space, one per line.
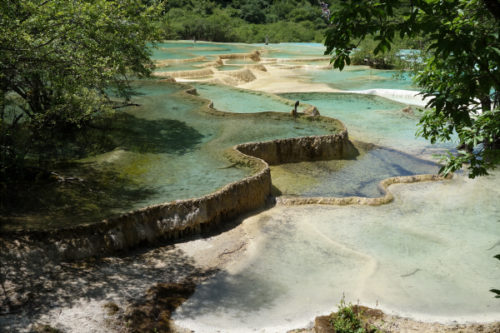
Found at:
[349, 319]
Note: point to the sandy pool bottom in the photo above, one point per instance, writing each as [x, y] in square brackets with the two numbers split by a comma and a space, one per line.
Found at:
[428, 255]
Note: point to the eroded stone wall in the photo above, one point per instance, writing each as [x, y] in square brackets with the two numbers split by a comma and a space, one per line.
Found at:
[311, 148]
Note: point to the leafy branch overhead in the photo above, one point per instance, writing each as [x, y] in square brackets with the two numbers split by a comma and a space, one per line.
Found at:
[460, 70]
[63, 62]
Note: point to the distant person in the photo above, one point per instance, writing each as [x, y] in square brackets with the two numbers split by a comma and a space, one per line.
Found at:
[294, 111]
[267, 40]
[325, 10]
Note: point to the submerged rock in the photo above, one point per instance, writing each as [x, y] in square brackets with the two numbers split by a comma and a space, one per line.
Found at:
[408, 110]
[312, 111]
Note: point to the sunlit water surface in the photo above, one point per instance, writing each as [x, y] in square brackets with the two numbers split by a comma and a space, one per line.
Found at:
[428, 255]
[166, 149]
[374, 119]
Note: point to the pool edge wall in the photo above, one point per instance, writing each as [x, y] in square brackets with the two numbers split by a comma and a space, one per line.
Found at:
[182, 218]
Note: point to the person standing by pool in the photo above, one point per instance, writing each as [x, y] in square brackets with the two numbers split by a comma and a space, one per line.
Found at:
[325, 10]
[294, 110]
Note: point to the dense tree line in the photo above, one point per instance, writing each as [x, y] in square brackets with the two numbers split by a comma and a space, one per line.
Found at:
[245, 20]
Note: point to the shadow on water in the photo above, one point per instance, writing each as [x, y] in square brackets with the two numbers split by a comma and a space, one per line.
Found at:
[365, 174]
[135, 134]
[57, 201]
[76, 192]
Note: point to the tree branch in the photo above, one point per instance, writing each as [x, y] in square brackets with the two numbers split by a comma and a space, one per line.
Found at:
[494, 8]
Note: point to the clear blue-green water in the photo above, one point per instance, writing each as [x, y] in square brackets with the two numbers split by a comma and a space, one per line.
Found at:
[168, 148]
[373, 119]
[369, 118]
[362, 78]
[292, 50]
[359, 176]
[243, 101]
[190, 49]
[429, 254]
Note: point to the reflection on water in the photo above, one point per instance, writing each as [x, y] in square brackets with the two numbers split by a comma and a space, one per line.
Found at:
[128, 132]
[344, 178]
[87, 196]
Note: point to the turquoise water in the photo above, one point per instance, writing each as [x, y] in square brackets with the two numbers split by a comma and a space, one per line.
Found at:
[371, 118]
[368, 118]
[189, 49]
[292, 50]
[166, 149]
[428, 255]
[240, 101]
[355, 177]
[362, 78]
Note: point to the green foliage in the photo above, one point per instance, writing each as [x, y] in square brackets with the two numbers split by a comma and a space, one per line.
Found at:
[365, 55]
[460, 72]
[348, 319]
[250, 21]
[62, 64]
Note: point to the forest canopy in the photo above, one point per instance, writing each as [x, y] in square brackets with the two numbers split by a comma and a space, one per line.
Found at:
[250, 21]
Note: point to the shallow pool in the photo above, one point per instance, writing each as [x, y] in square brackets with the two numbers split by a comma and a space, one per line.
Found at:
[374, 119]
[428, 255]
[358, 176]
[243, 101]
[166, 149]
[191, 49]
[361, 78]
